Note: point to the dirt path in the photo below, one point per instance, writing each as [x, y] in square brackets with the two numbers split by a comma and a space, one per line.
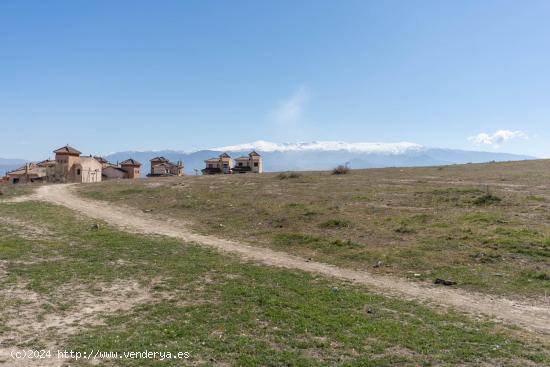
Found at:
[530, 316]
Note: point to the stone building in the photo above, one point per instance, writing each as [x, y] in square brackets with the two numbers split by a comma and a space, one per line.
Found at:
[221, 164]
[70, 166]
[128, 169]
[131, 167]
[77, 168]
[251, 163]
[225, 164]
[161, 166]
[30, 172]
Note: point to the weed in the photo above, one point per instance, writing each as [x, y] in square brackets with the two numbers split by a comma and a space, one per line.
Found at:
[341, 170]
[335, 223]
[487, 199]
[536, 198]
[537, 275]
[405, 230]
[286, 175]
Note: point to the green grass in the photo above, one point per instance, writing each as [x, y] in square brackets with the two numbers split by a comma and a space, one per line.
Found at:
[422, 220]
[9, 191]
[225, 312]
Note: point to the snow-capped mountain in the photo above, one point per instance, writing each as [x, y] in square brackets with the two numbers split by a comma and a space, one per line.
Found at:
[325, 155]
[324, 146]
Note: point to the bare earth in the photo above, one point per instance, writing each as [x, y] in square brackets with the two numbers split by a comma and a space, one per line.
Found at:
[27, 325]
[533, 317]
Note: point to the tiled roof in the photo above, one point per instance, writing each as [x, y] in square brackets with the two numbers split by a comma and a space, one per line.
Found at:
[101, 159]
[46, 163]
[33, 170]
[159, 159]
[225, 155]
[67, 150]
[130, 162]
[253, 153]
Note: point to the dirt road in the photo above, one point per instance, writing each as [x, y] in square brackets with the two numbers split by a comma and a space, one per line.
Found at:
[534, 317]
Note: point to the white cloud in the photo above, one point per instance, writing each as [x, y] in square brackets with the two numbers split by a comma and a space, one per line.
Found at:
[290, 110]
[498, 138]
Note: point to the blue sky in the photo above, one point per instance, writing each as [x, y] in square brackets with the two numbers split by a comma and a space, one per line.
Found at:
[108, 76]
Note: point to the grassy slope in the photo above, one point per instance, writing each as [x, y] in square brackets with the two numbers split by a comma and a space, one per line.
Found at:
[420, 223]
[8, 191]
[226, 312]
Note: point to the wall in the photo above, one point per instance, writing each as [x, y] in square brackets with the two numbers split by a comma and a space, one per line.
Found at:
[90, 170]
[112, 173]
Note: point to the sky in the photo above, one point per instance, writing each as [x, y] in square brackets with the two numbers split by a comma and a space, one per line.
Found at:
[106, 76]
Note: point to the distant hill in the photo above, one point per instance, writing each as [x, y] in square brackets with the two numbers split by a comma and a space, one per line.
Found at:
[7, 165]
[326, 155]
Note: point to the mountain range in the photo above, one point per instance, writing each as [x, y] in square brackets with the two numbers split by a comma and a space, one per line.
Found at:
[7, 165]
[326, 155]
[313, 156]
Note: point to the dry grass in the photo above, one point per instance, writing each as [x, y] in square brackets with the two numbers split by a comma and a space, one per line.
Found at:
[484, 226]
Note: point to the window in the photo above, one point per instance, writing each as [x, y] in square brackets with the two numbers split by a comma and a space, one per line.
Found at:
[78, 172]
[225, 165]
[15, 180]
[209, 165]
[255, 164]
[240, 164]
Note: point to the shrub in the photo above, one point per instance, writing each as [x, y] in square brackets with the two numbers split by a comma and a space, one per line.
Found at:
[487, 199]
[335, 223]
[285, 175]
[341, 170]
[537, 275]
[404, 230]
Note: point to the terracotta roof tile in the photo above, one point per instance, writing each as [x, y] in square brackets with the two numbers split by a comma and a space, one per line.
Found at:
[67, 150]
[130, 162]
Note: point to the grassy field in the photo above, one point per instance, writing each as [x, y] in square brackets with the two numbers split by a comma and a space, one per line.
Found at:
[8, 191]
[484, 226]
[66, 283]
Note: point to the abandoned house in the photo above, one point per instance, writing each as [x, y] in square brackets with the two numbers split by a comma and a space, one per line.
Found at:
[225, 164]
[30, 172]
[161, 166]
[221, 164]
[77, 168]
[251, 163]
[103, 161]
[128, 169]
[68, 166]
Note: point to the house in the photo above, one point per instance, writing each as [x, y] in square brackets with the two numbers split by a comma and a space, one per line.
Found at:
[251, 163]
[112, 172]
[77, 168]
[31, 172]
[28, 173]
[221, 164]
[129, 168]
[161, 166]
[103, 161]
[225, 164]
[70, 166]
